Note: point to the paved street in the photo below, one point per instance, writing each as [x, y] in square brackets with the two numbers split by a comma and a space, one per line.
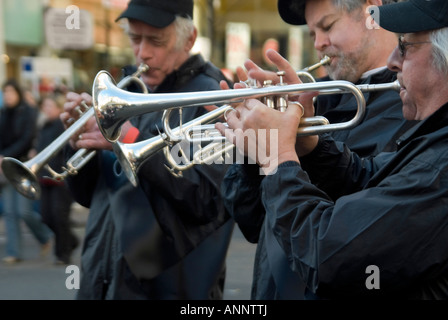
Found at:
[37, 278]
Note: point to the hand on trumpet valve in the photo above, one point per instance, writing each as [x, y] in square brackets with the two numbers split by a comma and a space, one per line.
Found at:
[89, 136]
[74, 106]
[261, 133]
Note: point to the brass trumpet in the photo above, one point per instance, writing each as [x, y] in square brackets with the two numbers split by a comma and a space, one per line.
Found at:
[23, 176]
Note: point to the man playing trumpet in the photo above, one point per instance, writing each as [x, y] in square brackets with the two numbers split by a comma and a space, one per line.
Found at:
[355, 227]
[359, 56]
[167, 238]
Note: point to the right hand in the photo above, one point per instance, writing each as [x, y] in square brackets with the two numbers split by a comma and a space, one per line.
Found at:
[90, 136]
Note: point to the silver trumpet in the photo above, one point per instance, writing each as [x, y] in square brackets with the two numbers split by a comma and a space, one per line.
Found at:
[115, 106]
[23, 176]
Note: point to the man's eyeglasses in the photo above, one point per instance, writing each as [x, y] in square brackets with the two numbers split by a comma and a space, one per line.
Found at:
[402, 46]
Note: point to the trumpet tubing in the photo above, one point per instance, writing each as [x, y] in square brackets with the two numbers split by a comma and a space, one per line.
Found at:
[305, 73]
[132, 155]
[114, 106]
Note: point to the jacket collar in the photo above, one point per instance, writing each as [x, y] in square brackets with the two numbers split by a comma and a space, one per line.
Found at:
[438, 120]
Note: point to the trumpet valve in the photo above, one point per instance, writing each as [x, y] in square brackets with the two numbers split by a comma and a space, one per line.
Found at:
[268, 100]
[282, 100]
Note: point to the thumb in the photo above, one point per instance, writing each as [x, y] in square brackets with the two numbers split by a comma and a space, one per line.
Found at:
[295, 109]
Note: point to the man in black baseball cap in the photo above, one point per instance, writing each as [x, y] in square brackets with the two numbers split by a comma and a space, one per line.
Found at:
[168, 237]
[158, 13]
[293, 11]
[414, 16]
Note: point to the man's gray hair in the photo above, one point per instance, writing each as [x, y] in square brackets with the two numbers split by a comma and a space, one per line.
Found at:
[350, 5]
[439, 39]
[184, 27]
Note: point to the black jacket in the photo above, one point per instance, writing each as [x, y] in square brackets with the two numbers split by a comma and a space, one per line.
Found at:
[391, 212]
[382, 125]
[167, 238]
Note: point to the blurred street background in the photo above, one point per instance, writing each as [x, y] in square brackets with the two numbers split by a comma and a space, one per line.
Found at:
[63, 44]
[38, 278]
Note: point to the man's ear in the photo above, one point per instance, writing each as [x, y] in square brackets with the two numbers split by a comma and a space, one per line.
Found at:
[191, 40]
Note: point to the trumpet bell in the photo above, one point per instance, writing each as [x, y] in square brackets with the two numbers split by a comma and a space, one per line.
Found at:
[110, 128]
[21, 177]
[127, 161]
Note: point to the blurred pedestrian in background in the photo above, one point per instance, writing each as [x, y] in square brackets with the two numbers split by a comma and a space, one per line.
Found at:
[56, 199]
[17, 132]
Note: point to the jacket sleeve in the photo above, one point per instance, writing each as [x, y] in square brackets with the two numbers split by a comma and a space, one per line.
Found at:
[198, 185]
[330, 244]
[82, 184]
[241, 191]
[332, 162]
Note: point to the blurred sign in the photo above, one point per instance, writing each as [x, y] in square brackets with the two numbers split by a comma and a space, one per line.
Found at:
[43, 74]
[237, 44]
[22, 21]
[69, 28]
[118, 4]
[295, 45]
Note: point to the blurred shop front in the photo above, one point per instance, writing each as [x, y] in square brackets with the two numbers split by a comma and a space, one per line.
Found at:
[51, 43]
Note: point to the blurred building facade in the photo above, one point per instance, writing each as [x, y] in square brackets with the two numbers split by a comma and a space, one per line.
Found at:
[44, 41]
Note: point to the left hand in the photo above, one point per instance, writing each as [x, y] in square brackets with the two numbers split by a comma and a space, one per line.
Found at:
[265, 135]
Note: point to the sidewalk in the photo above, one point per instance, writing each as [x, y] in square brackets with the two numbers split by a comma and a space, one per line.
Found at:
[38, 278]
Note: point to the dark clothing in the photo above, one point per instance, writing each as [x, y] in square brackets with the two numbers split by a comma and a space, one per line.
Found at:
[383, 122]
[55, 207]
[17, 134]
[17, 131]
[390, 212]
[56, 200]
[381, 126]
[166, 238]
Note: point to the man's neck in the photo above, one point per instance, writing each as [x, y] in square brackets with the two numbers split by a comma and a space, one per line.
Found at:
[371, 72]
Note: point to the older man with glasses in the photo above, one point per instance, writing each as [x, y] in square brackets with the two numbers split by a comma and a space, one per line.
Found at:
[355, 227]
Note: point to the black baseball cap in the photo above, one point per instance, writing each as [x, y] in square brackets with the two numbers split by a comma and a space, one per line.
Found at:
[292, 11]
[157, 13]
[413, 16]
